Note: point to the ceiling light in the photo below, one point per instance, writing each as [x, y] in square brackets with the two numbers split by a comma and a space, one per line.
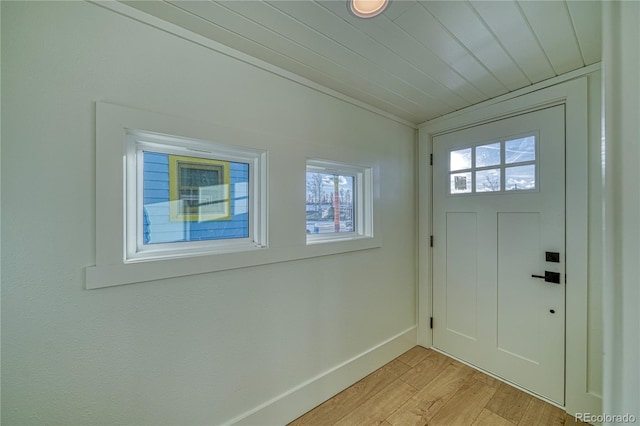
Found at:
[367, 8]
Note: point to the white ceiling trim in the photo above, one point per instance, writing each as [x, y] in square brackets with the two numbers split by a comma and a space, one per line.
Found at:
[145, 18]
[572, 75]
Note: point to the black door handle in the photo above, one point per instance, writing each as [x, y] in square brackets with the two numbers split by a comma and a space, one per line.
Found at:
[550, 277]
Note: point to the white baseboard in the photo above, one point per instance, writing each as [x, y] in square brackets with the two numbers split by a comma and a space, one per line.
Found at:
[290, 405]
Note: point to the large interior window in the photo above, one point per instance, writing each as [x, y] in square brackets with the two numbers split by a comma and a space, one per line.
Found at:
[190, 197]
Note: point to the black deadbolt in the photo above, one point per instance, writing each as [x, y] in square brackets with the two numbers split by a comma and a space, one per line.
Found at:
[552, 256]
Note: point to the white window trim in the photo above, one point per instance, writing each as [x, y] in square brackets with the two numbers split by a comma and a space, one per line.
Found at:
[363, 195]
[110, 269]
[138, 140]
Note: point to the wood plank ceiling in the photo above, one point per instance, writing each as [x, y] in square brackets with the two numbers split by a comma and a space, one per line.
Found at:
[418, 60]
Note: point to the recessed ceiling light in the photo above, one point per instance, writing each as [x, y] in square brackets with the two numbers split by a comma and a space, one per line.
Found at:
[367, 8]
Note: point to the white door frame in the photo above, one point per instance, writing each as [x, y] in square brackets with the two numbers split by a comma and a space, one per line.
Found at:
[573, 94]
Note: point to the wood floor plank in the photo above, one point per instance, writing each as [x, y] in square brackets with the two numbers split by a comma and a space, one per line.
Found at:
[396, 367]
[570, 420]
[376, 410]
[509, 402]
[539, 412]
[487, 380]
[465, 405]
[348, 400]
[418, 410]
[426, 370]
[489, 418]
[423, 387]
[414, 356]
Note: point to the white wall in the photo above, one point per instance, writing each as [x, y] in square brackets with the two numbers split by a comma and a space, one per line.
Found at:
[0, 211]
[622, 209]
[196, 350]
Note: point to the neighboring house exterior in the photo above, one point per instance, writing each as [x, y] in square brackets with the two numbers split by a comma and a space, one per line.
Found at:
[174, 211]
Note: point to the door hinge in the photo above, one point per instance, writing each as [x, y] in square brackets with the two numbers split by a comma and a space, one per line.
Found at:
[431, 240]
[431, 322]
[431, 159]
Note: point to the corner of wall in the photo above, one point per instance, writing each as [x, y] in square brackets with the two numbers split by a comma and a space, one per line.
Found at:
[297, 401]
[621, 248]
[424, 231]
[0, 208]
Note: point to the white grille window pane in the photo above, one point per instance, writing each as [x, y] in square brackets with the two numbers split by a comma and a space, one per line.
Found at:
[460, 159]
[488, 155]
[520, 178]
[520, 150]
[461, 183]
[488, 180]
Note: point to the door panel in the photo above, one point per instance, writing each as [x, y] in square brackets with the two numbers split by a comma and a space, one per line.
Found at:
[498, 207]
[462, 285]
[518, 297]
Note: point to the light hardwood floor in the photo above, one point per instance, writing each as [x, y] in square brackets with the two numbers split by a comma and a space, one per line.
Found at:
[424, 387]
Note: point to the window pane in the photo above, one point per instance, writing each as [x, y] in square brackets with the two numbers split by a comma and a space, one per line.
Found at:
[488, 180]
[193, 199]
[488, 155]
[519, 150]
[460, 183]
[460, 160]
[520, 178]
[330, 203]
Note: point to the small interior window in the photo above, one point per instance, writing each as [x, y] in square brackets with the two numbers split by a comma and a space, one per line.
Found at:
[330, 203]
[338, 201]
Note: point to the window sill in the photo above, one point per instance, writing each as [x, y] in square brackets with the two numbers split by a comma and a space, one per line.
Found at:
[333, 238]
[129, 273]
[154, 255]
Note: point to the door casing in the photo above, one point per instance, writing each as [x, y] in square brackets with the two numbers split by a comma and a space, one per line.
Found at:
[506, 326]
[573, 94]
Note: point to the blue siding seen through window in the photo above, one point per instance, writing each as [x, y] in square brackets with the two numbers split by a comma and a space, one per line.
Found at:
[160, 227]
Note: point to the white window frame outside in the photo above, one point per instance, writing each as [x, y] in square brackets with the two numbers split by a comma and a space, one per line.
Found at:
[363, 199]
[137, 141]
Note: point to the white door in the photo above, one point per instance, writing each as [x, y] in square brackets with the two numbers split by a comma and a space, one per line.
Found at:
[499, 219]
